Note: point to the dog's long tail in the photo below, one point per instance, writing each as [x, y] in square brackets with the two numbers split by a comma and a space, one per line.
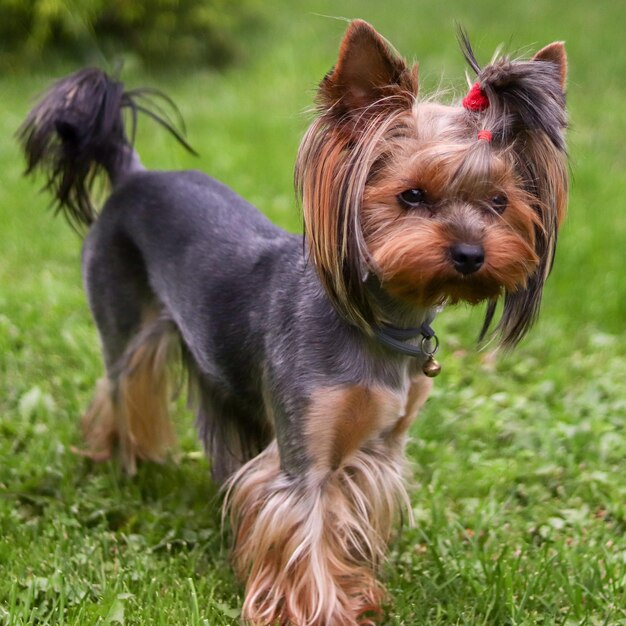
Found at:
[77, 132]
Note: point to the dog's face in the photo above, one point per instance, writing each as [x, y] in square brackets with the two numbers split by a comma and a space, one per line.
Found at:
[440, 203]
[441, 224]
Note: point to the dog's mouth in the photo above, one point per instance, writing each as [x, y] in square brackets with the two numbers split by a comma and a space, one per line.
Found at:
[471, 291]
[454, 287]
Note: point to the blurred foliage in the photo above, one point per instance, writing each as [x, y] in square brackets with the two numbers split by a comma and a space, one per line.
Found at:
[158, 33]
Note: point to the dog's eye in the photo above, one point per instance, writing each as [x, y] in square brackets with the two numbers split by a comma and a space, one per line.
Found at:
[499, 203]
[412, 197]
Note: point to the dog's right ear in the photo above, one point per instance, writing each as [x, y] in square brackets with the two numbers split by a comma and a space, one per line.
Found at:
[368, 74]
[361, 100]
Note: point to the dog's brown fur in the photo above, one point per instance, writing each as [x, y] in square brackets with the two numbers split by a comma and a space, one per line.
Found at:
[132, 417]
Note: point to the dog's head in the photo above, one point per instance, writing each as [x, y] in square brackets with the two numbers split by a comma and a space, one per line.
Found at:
[440, 203]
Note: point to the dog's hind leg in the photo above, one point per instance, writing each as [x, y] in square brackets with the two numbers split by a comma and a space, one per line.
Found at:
[129, 412]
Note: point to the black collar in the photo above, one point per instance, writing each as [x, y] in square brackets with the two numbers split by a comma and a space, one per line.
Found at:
[396, 338]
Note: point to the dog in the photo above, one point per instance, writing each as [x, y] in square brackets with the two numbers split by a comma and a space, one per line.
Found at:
[309, 356]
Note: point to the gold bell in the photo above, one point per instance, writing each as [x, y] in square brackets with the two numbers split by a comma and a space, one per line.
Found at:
[431, 368]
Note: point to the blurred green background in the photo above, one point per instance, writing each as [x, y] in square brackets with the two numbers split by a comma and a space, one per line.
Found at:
[522, 506]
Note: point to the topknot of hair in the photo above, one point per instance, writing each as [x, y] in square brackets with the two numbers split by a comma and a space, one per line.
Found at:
[524, 96]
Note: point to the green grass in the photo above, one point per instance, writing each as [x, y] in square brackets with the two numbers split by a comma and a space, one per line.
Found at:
[519, 490]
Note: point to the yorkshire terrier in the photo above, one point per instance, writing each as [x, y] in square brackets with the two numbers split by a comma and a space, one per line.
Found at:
[309, 357]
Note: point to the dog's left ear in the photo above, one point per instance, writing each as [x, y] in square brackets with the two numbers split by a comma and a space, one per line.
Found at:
[555, 53]
[369, 73]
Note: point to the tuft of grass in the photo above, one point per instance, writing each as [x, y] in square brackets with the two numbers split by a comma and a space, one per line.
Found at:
[519, 461]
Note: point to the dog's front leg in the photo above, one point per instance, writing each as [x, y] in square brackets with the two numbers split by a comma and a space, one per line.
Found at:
[309, 542]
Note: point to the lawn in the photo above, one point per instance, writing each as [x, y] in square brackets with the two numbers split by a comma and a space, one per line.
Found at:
[519, 462]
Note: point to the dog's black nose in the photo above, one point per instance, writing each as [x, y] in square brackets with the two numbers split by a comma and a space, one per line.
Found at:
[467, 257]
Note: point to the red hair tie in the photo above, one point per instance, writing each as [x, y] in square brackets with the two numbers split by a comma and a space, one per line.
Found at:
[476, 100]
[486, 135]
